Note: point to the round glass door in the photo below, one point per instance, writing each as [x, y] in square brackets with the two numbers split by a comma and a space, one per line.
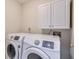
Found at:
[11, 51]
[34, 53]
[33, 56]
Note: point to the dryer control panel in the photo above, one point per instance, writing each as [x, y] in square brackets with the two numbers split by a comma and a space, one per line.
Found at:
[48, 44]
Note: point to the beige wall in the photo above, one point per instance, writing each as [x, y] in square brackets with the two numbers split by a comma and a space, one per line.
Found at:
[30, 15]
[12, 16]
[20, 17]
[72, 43]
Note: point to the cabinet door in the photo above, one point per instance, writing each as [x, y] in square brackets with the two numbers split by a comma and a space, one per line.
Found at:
[44, 15]
[60, 15]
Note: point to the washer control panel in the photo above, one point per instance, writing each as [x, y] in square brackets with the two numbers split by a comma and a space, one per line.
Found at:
[48, 44]
[16, 37]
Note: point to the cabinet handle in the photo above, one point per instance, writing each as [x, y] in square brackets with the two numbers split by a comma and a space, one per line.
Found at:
[49, 25]
[52, 25]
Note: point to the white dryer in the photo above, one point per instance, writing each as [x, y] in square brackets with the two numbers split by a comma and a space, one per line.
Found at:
[14, 46]
[38, 46]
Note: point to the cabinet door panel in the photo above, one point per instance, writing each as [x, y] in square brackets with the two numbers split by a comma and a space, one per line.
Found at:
[60, 15]
[44, 11]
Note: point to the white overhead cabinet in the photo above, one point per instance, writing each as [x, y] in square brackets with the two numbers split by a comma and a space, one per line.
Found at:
[44, 15]
[55, 15]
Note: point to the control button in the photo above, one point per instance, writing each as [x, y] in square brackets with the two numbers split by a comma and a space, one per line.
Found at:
[37, 42]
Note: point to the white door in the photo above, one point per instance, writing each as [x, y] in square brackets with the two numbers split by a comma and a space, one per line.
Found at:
[59, 21]
[34, 53]
[44, 15]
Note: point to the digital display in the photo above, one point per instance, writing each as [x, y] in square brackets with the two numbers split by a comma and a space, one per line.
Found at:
[16, 38]
[48, 44]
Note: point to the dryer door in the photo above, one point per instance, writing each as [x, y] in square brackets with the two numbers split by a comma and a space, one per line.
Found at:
[12, 50]
[34, 53]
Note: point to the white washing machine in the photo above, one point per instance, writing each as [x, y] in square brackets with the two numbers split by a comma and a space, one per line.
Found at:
[38, 46]
[14, 46]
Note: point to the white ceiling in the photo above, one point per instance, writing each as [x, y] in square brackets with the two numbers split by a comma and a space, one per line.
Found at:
[22, 1]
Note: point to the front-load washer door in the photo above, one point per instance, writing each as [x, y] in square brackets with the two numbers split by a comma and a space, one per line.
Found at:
[34, 53]
[12, 50]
